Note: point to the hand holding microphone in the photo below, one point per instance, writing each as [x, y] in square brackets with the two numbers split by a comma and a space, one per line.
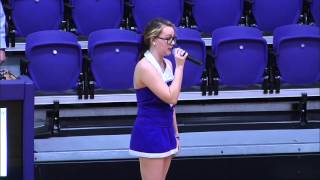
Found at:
[182, 53]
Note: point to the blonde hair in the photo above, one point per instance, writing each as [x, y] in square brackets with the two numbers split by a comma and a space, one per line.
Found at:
[153, 30]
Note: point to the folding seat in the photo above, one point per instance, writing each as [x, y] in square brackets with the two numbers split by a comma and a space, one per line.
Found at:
[89, 15]
[55, 60]
[190, 40]
[297, 49]
[212, 14]
[144, 11]
[315, 11]
[240, 55]
[270, 14]
[36, 15]
[114, 54]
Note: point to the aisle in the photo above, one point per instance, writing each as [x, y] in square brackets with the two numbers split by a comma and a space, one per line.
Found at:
[226, 168]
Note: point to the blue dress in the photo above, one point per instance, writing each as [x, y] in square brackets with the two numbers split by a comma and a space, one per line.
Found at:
[153, 134]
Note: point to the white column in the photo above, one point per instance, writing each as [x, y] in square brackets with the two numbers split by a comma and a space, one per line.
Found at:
[3, 142]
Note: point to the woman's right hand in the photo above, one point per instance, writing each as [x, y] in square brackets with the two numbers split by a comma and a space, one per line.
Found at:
[180, 56]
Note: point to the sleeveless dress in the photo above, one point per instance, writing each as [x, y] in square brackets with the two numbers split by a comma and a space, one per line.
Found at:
[153, 134]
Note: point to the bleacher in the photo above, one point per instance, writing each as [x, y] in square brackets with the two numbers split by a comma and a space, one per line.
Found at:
[255, 94]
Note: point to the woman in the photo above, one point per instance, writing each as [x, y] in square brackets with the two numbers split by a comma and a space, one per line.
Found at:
[155, 137]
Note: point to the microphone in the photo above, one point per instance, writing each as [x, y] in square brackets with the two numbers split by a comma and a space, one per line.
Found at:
[193, 60]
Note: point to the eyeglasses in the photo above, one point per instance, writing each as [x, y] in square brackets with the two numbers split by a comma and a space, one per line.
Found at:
[170, 40]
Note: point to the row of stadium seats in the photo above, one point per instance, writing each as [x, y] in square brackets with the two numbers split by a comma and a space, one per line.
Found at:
[55, 59]
[239, 57]
[35, 15]
[264, 14]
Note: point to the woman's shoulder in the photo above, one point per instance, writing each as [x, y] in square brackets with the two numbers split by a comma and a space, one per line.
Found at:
[140, 70]
[144, 67]
[143, 64]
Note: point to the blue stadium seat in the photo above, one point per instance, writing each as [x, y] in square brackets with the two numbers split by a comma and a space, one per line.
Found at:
[55, 60]
[36, 15]
[240, 55]
[114, 54]
[315, 11]
[270, 14]
[212, 14]
[89, 15]
[297, 49]
[144, 11]
[190, 40]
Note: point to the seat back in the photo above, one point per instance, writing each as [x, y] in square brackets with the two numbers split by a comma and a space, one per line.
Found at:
[190, 40]
[270, 14]
[298, 53]
[315, 11]
[114, 54]
[212, 14]
[241, 55]
[91, 15]
[144, 11]
[36, 15]
[55, 59]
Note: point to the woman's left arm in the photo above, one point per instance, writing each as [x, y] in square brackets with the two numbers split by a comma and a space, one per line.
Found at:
[175, 125]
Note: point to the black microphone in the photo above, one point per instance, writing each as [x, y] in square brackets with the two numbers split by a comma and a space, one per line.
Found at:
[193, 60]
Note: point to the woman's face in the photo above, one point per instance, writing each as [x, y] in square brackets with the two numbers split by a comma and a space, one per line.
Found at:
[165, 41]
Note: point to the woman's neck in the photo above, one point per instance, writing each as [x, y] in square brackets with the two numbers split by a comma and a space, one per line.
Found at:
[158, 57]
